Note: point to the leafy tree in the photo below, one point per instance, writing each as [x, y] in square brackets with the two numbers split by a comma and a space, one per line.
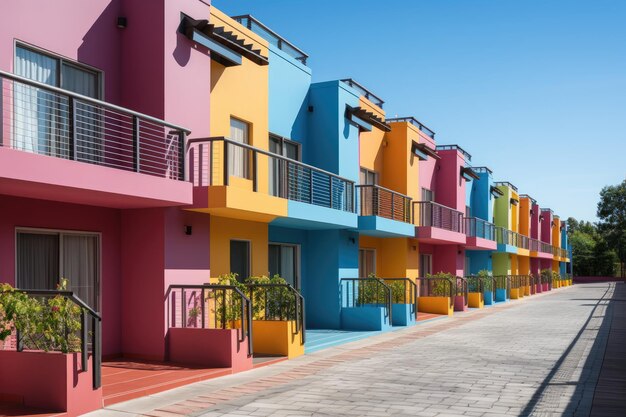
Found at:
[612, 215]
[583, 246]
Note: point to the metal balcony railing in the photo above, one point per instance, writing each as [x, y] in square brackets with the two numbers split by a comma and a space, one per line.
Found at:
[412, 120]
[380, 201]
[88, 338]
[46, 120]
[210, 306]
[280, 302]
[437, 287]
[504, 236]
[534, 245]
[360, 292]
[545, 247]
[272, 37]
[213, 161]
[403, 291]
[475, 227]
[431, 214]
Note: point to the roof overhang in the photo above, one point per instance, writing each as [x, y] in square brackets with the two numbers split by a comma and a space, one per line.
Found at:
[423, 152]
[496, 192]
[365, 120]
[469, 174]
[226, 48]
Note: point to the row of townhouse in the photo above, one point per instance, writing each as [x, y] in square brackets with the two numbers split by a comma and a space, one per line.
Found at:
[147, 150]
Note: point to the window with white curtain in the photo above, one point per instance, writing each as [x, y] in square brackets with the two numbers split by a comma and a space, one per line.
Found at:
[238, 160]
[44, 257]
[283, 261]
[42, 118]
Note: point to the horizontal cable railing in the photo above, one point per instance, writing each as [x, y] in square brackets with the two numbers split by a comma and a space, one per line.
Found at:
[375, 200]
[86, 339]
[46, 120]
[359, 292]
[475, 227]
[403, 291]
[210, 306]
[437, 287]
[546, 247]
[504, 236]
[214, 161]
[278, 302]
[429, 213]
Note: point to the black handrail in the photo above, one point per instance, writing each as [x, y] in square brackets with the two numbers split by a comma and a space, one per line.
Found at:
[380, 201]
[217, 292]
[476, 283]
[461, 289]
[399, 295]
[437, 287]
[96, 335]
[362, 291]
[281, 309]
[503, 282]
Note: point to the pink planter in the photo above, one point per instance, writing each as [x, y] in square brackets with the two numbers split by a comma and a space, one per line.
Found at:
[215, 348]
[459, 303]
[52, 381]
[546, 287]
[539, 288]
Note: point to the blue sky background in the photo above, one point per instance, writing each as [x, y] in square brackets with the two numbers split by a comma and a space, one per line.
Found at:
[536, 90]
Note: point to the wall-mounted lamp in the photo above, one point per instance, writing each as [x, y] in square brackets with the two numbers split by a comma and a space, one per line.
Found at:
[352, 240]
[552, 224]
[414, 247]
[188, 230]
[541, 218]
[532, 212]
[122, 22]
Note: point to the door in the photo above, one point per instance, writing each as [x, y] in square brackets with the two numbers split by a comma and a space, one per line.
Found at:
[426, 266]
[283, 261]
[370, 201]
[367, 263]
[238, 160]
[43, 258]
[284, 177]
[240, 259]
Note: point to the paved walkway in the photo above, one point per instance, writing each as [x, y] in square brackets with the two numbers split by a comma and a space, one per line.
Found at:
[540, 356]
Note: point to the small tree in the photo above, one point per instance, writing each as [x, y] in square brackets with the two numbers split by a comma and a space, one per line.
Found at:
[612, 215]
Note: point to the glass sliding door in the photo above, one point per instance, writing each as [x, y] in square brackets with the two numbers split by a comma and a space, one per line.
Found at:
[42, 119]
[43, 258]
[283, 261]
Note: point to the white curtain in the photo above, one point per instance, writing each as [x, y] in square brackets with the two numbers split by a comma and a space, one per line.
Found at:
[35, 127]
[238, 156]
[37, 261]
[80, 266]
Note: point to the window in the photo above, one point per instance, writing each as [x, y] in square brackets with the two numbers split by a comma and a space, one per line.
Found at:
[238, 160]
[42, 118]
[283, 261]
[240, 259]
[280, 170]
[43, 257]
[426, 265]
[428, 195]
[367, 262]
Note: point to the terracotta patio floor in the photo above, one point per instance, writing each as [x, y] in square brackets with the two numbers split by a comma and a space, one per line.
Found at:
[125, 379]
[10, 410]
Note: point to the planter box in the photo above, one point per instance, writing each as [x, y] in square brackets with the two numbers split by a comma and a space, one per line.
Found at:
[546, 287]
[515, 293]
[459, 303]
[435, 305]
[403, 315]
[365, 317]
[476, 300]
[538, 288]
[274, 337]
[488, 297]
[48, 380]
[527, 290]
[500, 294]
[213, 348]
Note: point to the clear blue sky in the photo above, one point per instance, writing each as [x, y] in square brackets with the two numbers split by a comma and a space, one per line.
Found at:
[536, 90]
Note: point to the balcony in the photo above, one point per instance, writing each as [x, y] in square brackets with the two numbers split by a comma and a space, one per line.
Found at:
[506, 240]
[539, 249]
[521, 243]
[481, 235]
[57, 145]
[233, 179]
[384, 212]
[438, 224]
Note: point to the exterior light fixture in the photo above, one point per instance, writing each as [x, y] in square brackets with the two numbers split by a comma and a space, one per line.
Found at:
[188, 230]
[121, 22]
